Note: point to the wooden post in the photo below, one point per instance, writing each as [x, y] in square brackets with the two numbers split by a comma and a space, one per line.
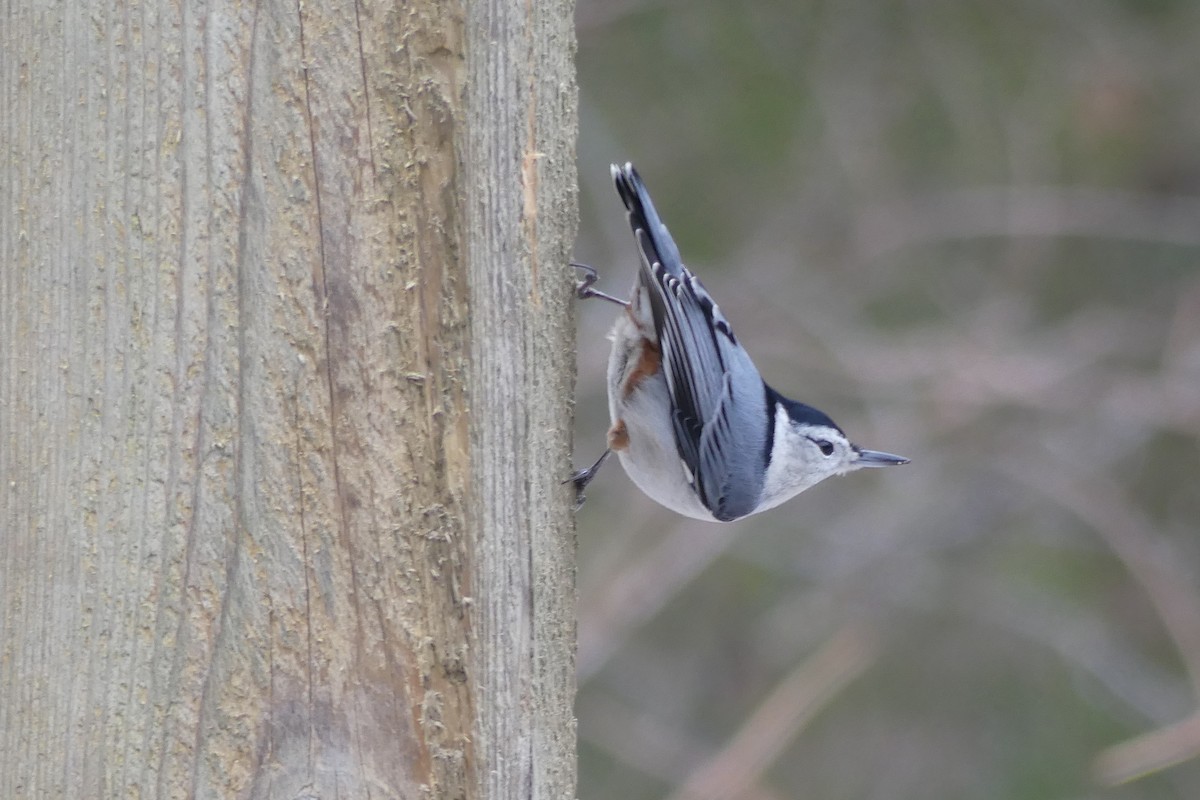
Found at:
[285, 375]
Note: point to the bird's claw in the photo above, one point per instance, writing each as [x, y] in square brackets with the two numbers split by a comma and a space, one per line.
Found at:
[581, 478]
[584, 290]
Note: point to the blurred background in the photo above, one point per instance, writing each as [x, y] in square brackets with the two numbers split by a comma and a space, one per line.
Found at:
[969, 231]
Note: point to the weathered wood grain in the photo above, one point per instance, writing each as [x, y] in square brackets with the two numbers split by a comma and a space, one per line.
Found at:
[285, 371]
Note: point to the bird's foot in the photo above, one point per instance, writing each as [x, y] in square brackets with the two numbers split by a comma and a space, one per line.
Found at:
[584, 289]
[583, 477]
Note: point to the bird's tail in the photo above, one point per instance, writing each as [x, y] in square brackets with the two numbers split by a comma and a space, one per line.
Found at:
[651, 234]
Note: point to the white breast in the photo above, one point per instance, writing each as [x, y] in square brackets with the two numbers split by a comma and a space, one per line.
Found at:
[650, 456]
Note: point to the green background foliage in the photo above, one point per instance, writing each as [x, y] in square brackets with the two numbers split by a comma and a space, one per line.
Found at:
[969, 231]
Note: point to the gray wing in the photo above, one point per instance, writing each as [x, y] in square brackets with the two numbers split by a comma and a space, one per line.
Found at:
[718, 399]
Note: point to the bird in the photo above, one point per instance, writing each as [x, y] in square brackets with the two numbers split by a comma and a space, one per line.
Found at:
[694, 424]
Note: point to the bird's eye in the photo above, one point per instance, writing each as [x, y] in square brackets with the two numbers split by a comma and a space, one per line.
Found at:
[826, 447]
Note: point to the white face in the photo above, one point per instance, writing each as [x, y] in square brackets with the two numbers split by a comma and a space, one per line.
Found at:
[805, 455]
[828, 449]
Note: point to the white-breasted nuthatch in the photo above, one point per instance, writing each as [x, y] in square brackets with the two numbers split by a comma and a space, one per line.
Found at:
[694, 424]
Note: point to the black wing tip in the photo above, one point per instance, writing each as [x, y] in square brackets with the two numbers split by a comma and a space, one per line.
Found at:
[629, 184]
[648, 229]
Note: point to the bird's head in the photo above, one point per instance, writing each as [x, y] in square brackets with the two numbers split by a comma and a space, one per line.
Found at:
[809, 447]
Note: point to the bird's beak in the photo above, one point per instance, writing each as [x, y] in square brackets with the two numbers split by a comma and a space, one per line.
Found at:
[874, 458]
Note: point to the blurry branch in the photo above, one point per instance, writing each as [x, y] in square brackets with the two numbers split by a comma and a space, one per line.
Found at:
[1183, 334]
[1042, 211]
[1082, 636]
[969, 376]
[1151, 562]
[1149, 752]
[1148, 557]
[995, 361]
[641, 590]
[736, 769]
[639, 738]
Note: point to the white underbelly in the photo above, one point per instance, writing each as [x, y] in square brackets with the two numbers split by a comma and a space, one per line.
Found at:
[651, 458]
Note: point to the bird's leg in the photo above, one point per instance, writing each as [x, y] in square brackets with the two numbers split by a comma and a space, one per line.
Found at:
[584, 476]
[584, 290]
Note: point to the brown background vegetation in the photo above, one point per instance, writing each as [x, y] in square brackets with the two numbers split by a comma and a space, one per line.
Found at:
[970, 232]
